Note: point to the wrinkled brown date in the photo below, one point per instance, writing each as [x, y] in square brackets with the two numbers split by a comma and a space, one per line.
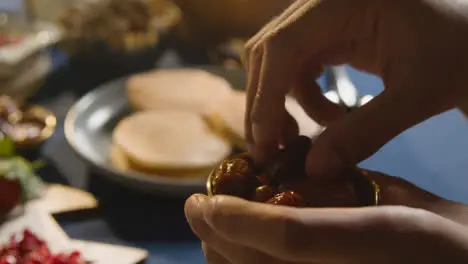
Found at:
[282, 181]
[264, 193]
[235, 177]
[289, 198]
[290, 162]
[239, 177]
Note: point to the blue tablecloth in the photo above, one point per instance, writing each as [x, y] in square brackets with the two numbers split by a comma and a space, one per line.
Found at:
[433, 155]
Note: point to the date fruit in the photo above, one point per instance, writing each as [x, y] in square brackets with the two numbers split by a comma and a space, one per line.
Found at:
[264, 193]
[29, 249]
[235, 177]
[10, 195]
[288, 198]
[283, 181]
[290, 162]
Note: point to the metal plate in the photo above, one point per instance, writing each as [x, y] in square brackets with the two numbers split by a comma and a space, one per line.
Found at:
[89, 125]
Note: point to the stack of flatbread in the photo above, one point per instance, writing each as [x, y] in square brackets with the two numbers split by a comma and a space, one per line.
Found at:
[185, 121]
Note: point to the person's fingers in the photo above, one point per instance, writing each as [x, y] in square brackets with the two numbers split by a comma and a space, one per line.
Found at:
[362, 132]
[267, 114]
[255, 62]
[252, 42]
[296, 235]
[304, 34]
[213, 257]
[252, 63]
[290, 129]
[231, 252]
[218, 247]
[271, 25]
[310, 97]
[235, 253]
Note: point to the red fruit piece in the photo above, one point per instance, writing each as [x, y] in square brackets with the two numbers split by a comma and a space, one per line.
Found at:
[8, 259]
[60, 259]
[75, 258]
[11, 194]
[30, 242]
[32, 250]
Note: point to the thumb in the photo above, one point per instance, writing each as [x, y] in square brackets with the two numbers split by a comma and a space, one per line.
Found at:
[359, 134]
[305, 235]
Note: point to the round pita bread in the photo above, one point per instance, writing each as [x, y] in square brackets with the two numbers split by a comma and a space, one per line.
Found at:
[227, 119]
[118, 159]
[169, 140]
[182, 89]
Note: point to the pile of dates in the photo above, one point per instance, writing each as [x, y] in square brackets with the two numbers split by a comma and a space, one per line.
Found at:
[283, 181]
[32, 250]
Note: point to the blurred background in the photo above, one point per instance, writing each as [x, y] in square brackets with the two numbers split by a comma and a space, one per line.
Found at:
[68, 56]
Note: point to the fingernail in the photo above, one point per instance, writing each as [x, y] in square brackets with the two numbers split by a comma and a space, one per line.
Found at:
[207, 209]
[194, 205]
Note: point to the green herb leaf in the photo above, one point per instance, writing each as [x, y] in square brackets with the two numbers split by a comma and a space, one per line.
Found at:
[7, 147]
[21, 170]
[38, 164]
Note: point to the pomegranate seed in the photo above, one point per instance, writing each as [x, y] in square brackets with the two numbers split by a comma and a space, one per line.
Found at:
[32, 250]
[9, 259]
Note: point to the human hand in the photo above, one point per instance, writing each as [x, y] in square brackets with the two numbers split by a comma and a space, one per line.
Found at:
[416, 46]
[237, 231]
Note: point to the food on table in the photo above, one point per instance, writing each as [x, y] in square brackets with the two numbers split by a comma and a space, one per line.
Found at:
[264, 193]
[121, 162]
[168, 134]
[25, 127]
[10, 38]
[288, 198]
[29, 249]
[11, 195]
[207, 98]
[282, 181]
[181, 89]
[9, 110]
[18, 182]
[235, 178]
[171, 142]
[227, 118]
[124, 24]
[118, 159]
